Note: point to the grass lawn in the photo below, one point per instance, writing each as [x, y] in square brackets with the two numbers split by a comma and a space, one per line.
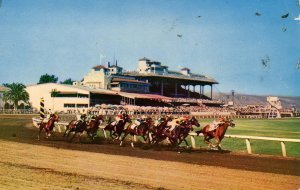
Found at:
[280, 128]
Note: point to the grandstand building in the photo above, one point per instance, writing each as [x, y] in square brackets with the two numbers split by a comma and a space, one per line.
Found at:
[172, 83]
[150, 77]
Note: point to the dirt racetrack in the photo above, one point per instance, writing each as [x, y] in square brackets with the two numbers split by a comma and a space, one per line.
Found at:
[26, 163]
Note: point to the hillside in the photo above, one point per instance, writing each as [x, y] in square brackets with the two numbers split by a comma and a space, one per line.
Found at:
[245, 99]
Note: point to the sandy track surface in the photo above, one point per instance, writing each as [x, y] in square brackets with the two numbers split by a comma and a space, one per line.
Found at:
[38, 167]
[26, 163]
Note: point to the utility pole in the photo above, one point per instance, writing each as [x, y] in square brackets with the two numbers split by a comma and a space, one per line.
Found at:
[232, 96]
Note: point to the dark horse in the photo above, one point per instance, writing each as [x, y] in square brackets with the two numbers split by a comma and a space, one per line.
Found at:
[183, 130]
[48, 126]
[140, 130]
[93, 126]
[157, 133]
[117, 129]
[217, 134]
[80, 126]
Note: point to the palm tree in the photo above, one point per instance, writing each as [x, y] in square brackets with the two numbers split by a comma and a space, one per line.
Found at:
[15, 93]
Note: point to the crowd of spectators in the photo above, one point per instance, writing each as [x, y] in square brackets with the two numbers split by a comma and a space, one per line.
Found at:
[183, 110]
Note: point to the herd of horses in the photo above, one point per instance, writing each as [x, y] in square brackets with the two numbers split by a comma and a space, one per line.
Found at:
[152, 131]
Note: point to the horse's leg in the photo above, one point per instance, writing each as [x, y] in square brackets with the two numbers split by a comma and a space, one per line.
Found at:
[206, 140]
[145, 138]
[150, 137]
[65, 133]
[41, 128]
[218, 142]
[121, 143]
[111, 134]
[69, 131]
[73, 136]
[187, 144]
[80, 135]
[132, 140]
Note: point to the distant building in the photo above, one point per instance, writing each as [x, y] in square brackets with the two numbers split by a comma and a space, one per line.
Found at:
[149, 77]
[145, 65]
[172, 83]
[2, 90]
[69, 97]
[111, 77]
[62, 97]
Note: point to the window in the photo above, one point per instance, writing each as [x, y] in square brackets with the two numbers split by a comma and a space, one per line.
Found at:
[82, 105]
[69, 105]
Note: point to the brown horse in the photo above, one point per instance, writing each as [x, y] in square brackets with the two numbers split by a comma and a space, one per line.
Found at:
[183, 130]
[75, 125]
[157, 133]
[81, 126]
[93, 126]
[48, 126]
[140, 130]
[217, 134]
[117, 129]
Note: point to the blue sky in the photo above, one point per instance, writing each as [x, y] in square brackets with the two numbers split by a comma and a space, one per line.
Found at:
[65, 38]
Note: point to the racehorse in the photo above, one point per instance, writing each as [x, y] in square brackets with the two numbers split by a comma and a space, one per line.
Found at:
[182, 131]
[75, 125]
[93, 126]
[140, 130]
[48, 126]
[116, 128]
[81, 125]
[217, 134]
[157, 133]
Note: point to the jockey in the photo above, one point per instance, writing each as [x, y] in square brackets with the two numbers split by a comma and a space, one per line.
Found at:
[173, 123]
[138, 122]
[117, 119]
[158, 121]
[219, 121]
[81, 118]
[216, 123]
[48, 117]
[177, 121]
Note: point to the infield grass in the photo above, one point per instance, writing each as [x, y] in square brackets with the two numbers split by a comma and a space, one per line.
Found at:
[279, 128]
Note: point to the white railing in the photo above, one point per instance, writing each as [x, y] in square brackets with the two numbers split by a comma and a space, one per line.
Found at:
[248, 144]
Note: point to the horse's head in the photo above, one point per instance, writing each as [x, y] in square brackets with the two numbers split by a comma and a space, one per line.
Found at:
[194, 121]
[169, 118]
[126, 118]
[149, 120]
[100, 118]
[230, 123]
[55, 117]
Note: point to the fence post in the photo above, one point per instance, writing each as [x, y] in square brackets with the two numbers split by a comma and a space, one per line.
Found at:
[248, 146]
[193, 141]
[283, 149]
